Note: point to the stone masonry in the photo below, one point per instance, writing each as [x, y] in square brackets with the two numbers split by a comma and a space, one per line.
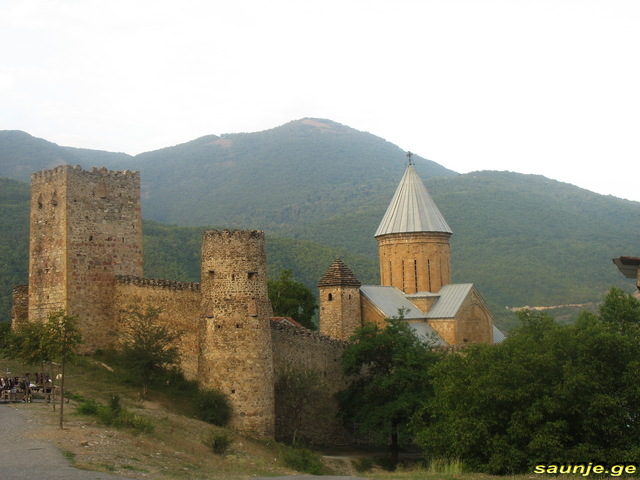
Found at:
[86, 259]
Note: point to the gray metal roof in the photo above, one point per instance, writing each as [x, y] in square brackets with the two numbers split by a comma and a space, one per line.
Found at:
[451, 298]
[412, 209]
[389, 299]
[427, 334]
[498, 336]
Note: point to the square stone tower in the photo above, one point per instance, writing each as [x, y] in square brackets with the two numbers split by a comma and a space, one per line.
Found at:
[86, 228]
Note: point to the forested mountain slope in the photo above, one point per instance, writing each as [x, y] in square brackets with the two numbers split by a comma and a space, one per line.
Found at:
[523, 239]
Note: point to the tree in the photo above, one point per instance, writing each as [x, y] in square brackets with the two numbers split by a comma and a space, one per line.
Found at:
[290, 298]
[390, 370]
[548, 393]
[148, 347]
[60, 341]
[27, 343]
[301, 395]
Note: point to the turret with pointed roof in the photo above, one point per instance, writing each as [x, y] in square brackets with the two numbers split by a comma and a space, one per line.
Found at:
[339, 301]
[413, 239]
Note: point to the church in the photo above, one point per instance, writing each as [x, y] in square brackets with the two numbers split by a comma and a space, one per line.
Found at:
[415, 279]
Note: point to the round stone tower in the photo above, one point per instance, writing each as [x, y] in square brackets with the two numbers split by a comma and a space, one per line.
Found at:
[413, 240]
[236, 353]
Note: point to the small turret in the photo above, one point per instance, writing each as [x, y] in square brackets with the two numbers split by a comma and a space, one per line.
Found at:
[340, 314]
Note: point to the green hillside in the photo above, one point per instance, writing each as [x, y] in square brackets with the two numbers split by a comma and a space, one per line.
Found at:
[319, 189]
[170, 252]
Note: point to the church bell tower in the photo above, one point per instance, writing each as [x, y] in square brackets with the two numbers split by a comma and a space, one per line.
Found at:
[413, 239]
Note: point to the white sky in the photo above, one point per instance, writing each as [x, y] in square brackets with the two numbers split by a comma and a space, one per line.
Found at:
[533, 86]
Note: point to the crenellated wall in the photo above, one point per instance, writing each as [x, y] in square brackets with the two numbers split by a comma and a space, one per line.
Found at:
[179, 305]
[86, 259]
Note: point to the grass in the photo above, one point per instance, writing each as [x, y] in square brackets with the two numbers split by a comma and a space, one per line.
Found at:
[181, 446]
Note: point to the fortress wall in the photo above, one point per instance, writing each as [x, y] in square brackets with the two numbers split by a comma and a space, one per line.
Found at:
[179, 303]
[300, 348]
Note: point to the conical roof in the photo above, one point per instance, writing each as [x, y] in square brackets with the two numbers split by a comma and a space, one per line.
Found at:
[412, 209]
[338, 275]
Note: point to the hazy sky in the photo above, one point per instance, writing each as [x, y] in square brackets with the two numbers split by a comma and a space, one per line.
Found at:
[533, 86]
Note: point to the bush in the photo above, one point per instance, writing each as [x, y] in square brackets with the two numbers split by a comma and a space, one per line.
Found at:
[218, 442]
[114, 415]
[88, 407]
[303, 460]
[213, 407]
[363, 464]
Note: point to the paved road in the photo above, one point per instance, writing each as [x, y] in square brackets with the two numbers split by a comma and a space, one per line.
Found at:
[23, 458]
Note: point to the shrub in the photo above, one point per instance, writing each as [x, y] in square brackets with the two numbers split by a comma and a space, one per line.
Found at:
[363, 464]
[88, 407]
[303, 460]
[114, 415]
[213, 407]
[218, 442]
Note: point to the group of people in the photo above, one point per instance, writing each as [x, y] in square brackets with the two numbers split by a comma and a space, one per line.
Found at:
[13, 389]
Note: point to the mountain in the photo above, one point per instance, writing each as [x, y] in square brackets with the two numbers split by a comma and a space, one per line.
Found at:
[22, 154]
[318, 186]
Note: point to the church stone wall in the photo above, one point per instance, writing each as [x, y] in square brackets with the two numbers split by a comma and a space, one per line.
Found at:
[475, 322]
[415, 262]
[446, 328]
[179, 305]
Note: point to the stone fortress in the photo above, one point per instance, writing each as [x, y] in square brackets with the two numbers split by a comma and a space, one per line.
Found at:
[86, 259]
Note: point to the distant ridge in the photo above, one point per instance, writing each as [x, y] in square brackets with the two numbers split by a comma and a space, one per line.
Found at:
[523, 239]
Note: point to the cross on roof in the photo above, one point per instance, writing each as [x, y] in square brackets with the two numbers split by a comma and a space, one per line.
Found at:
[409, 155]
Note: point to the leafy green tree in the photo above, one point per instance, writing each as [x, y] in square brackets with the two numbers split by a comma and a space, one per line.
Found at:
[28, 343]
[290, 298]
[548, 393]
[390, 371]
[148, 347]
[60, 341]
[300, 395]
[620, 308]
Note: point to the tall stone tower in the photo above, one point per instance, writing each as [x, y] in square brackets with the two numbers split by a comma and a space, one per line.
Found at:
[340, 313]
[86, 228]
[236, 353]
[413, 239]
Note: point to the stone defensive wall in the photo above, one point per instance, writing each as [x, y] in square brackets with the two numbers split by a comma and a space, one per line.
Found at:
[300, 348]
[179, 305]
